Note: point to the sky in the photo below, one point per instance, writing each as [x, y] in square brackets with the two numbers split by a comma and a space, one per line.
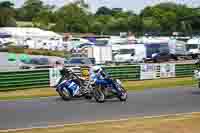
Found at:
[134, 5]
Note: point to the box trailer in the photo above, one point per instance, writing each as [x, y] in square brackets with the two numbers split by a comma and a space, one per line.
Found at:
[102, 54]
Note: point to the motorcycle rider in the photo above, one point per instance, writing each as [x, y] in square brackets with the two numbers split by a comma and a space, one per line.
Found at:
[101, 78]
[67, 73]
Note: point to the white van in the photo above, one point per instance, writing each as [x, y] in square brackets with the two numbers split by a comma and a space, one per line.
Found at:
[145, 52]
[124, 53]
[154, 52]
[193, 47]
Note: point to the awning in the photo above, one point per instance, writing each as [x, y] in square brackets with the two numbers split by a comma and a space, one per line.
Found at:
[4, 35]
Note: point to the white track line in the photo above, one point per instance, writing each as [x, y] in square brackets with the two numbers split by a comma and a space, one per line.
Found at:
[94, 122]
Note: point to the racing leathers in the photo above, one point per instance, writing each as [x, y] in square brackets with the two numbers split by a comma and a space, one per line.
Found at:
[101, 78]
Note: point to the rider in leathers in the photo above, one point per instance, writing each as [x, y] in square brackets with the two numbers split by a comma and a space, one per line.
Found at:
[100, 77]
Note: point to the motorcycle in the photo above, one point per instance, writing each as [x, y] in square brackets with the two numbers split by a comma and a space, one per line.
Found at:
[100, 93]
[71, 86]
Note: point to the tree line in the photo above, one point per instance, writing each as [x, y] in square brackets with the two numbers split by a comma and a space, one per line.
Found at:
[162, 18]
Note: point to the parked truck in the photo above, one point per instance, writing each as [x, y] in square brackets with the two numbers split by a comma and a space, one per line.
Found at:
[101, 54]
[178, 49]
[156, 52]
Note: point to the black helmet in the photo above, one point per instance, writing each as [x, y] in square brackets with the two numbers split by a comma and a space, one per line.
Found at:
[64, 71]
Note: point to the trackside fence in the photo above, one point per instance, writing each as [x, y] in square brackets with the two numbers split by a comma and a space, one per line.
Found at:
[25, 79]
[184, 70]
[124, 72]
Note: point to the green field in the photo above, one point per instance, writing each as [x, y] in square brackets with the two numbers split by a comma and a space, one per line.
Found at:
[24, 24]
[27, 24]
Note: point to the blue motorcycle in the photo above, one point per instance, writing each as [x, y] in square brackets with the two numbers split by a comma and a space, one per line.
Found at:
[72, 86]
[107, 91]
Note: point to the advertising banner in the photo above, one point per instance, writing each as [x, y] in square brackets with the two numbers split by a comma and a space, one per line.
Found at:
[149, 71]
[54, 76]
[167, 70]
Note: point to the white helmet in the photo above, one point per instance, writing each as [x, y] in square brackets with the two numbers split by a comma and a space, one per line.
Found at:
[96, 68]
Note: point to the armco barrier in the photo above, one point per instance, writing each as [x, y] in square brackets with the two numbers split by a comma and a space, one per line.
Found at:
[24, 79]
[184, 70]
[124, 72]
[40, 78]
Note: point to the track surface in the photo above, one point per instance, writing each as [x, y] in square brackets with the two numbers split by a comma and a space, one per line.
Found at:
[50, 111]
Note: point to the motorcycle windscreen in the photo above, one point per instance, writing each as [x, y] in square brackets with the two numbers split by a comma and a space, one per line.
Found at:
[73, 87]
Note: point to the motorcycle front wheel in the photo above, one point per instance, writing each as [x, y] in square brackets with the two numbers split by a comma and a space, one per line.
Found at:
[124, 95]
[99, 95]
[64, 94]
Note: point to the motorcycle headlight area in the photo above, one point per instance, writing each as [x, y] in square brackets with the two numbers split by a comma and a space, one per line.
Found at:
[196, 71]
[118, 81]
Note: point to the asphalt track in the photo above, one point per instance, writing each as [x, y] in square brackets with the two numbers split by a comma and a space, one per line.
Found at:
[51, 111]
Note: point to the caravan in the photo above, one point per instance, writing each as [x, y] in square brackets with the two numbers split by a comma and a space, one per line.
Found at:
[156, 52]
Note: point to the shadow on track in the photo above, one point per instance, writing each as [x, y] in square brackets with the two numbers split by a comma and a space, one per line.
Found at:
[114, 100]
[196, 92]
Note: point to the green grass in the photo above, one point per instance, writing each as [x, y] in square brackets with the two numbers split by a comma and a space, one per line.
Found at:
[160, 83]
[129, 85]
[27, 93]
[24, 24]
[28, 24]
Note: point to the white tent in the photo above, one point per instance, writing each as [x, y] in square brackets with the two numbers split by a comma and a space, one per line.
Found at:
[18, 32]
[34, 37]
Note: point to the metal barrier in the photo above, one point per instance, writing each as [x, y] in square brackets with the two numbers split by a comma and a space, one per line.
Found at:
[13, 80]
[124, 72]
[24, 79]
[184, 70]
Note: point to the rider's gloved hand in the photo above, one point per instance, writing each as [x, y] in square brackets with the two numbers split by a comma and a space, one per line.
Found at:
[107, 77]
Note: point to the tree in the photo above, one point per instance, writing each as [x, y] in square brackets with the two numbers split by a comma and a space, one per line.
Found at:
[104, 11]
[169, 21]
[73, 18]
[30, 10]
[7, 14]
[42, 20]
[82, 4]
[135, 23]
[103, 21]
[6, 4]
[161, 17]
[150, 24]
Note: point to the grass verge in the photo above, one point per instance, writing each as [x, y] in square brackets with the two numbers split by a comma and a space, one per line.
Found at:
[13, 49]
[129, 85]
[188, 123]
[160, 83]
